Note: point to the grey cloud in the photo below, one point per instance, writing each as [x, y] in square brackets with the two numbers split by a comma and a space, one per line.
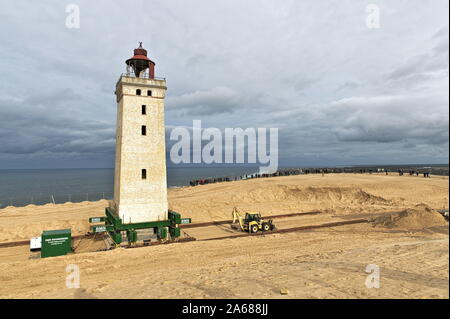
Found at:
[64, 96]
[29, 129]
[299, 82]
[391, 119]
[433, 60]
[349, 85]
[195, 60]
[214, 101]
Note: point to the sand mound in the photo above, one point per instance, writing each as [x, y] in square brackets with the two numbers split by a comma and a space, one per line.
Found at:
[21, 232]
[89, 244]
[419, 217]
[310, 194]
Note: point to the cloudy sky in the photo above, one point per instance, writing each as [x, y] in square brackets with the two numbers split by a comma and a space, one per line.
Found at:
[339, 91]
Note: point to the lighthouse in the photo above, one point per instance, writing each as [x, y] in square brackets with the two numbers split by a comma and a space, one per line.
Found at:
[139, 210]
[140, 186]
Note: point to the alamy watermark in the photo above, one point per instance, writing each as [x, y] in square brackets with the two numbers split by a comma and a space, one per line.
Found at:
[373, 16]
[260, 144]
[73, 17]
[373, 279]
[73, 277]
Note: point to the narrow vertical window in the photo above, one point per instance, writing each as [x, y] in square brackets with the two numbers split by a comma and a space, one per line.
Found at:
[138, 92]
[144, 173]
[144, 130]
[144, 111]
[149, 92]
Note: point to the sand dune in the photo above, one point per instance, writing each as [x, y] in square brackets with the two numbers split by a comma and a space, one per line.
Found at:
[418, 217]
[347, 195]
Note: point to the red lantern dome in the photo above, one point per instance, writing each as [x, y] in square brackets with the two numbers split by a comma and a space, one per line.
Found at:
[140, 62]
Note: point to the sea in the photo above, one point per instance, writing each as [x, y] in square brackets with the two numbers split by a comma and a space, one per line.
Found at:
[21, 187]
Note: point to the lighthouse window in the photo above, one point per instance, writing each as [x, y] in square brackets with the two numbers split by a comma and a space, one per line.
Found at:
[144, 111]
[138, 92]
[143, 173]
[143, 130]
[149, 92]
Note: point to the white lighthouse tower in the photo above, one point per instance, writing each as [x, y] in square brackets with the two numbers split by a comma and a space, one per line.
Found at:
[140, 186]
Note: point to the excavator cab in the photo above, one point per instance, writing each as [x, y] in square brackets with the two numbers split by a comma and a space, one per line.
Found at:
[252, 217]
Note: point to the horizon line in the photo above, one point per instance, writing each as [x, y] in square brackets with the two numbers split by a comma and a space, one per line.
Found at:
[243, 166]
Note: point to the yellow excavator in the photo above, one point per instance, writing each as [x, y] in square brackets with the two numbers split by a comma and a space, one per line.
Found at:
[252, 222]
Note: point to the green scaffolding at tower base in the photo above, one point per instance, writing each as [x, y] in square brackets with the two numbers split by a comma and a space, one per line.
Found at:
[112, 224]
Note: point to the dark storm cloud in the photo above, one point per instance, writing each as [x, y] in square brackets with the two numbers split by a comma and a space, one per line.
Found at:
[339, 93]
[48, 129]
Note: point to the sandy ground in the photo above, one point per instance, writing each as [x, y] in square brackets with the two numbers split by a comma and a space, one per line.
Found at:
[324, 263]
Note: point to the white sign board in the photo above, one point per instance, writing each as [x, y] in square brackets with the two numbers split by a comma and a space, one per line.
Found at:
[35, 243]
